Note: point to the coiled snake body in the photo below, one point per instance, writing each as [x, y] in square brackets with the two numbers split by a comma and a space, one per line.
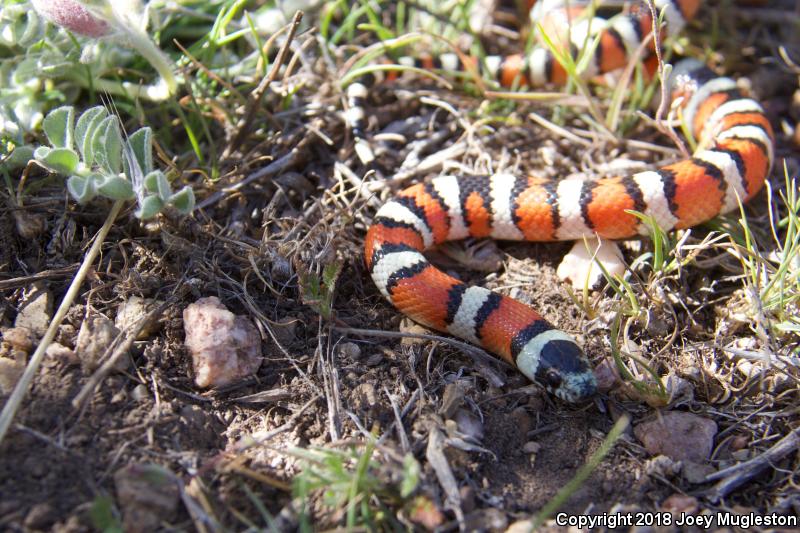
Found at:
[734, 158]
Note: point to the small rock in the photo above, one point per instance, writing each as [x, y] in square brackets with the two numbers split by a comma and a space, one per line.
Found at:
[148, 494]
[680, 503]
[139, 393]
[696, 473]
[59, 352]
[29, 225]
[20, 338]
[607, 375]
[662, 466]
[132, 311]
[36, 309]
[469, 424]
[679, 435]
[521, 526]
[679, 390]
[363, 397]
[225, 348]
[409, 326]
[579, 266]
[531, 447]
[95, 336]
[40, 516]
[349, 350]
[11, 369]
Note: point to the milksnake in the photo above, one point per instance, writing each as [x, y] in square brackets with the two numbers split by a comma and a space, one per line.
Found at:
[734, 158]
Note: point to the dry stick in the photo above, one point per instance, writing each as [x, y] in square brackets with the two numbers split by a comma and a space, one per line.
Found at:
[44, 274]
[10, 409]
[258, 93]
[275, 167]
[736, 475]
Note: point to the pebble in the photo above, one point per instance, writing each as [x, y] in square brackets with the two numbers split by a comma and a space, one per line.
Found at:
[36, 309]
[40, 516]
[363, 397]
[132, 311]
[95, 336]
[147, 494]
[349, 350]
[224, 347]
[607, 375]
[696, 473]
[521, 526]
[58, 352]
[679, 435]
[11, 369]
[531, 447]
[469, 424]
[409, 326]
[579, 266]
[680, 503]
[20, 338]
[139, 393]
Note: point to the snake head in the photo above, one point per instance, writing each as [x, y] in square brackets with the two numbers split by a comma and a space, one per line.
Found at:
[554, 360]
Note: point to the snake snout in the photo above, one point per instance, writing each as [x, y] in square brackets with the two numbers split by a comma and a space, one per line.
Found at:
[564, 370]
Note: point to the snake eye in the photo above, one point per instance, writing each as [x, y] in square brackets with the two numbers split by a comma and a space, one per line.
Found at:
[552, 378]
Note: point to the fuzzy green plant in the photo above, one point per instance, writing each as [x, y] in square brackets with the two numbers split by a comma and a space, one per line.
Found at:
[98, 161]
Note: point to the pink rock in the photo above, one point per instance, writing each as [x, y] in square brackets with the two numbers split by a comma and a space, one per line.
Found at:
[678, 435]
[224, 347]
[73, 16]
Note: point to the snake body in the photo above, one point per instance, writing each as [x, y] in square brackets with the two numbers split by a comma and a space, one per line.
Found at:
[734, 158]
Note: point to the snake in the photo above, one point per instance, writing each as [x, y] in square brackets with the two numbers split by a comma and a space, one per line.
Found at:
[734, 156]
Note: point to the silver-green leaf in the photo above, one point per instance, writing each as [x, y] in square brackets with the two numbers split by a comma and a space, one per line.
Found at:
[61, 160]
[98, 140]
[141, 144]
[84, 131]
[149, 207]
[183, 200]
[58, 125]
[81, 188]
[19, 157]
[112, 148]
[116, 188]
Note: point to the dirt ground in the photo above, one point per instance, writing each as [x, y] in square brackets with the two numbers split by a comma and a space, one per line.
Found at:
[323, 386]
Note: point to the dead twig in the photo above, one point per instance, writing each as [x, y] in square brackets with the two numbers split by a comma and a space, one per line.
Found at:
[735, 476]
[258, 93]
[63, 272]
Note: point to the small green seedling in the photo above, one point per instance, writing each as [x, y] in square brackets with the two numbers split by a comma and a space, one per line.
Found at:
[100, 162]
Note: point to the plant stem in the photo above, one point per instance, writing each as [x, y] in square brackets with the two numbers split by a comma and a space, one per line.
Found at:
[21, 389]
